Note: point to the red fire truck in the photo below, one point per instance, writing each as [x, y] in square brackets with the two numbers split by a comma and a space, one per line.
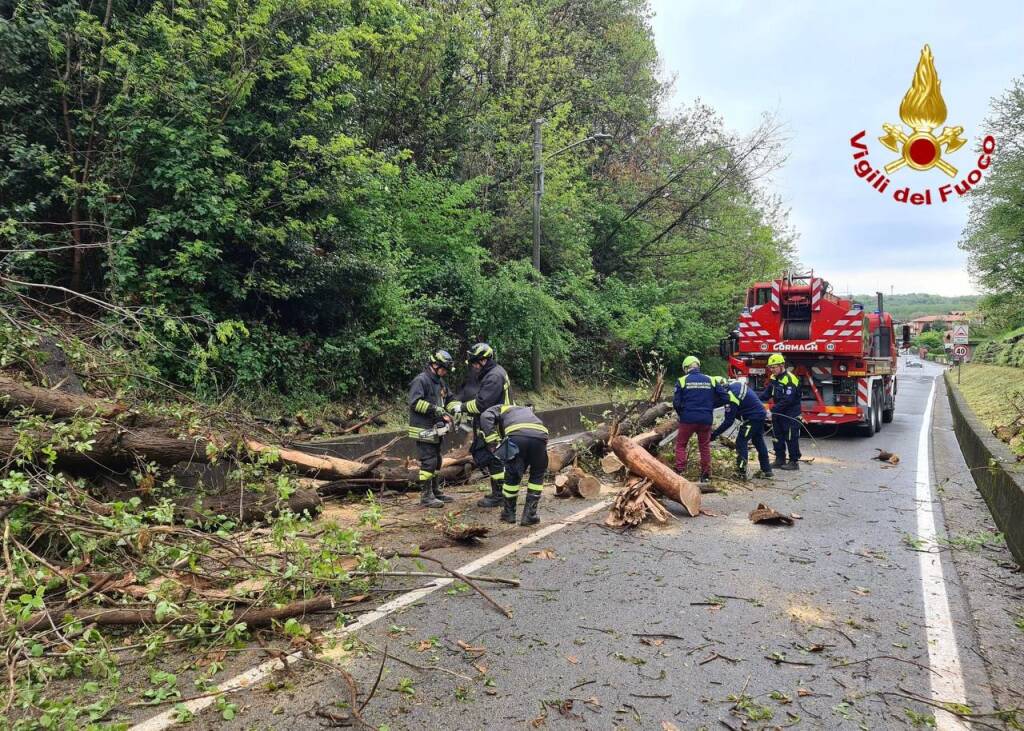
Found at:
[845, 356]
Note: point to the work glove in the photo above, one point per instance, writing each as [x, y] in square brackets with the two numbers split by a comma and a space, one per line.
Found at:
[455, 407]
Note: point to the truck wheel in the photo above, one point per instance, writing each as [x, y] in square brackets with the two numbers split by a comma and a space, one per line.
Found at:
[867, 428]
[878, 417]
[888, 414]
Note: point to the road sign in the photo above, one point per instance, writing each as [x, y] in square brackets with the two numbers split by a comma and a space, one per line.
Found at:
[960, 351]
[960, 335]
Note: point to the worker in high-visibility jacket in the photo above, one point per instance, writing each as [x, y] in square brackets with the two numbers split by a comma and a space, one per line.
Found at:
[741, 402]
[521, 439]
[427, 395]
[694, 402]
[492, 388]
[783, 390]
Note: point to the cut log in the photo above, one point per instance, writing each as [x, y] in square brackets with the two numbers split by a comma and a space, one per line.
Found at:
[252, 617]
[565, 484]
[666, 482]
[610, 464]
[586, 486]
[315, 465]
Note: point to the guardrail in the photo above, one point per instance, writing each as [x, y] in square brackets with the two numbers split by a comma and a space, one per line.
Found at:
[996, 472]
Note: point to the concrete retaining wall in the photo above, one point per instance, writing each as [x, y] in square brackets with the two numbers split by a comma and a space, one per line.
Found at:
[567, 420]
[1000, 478]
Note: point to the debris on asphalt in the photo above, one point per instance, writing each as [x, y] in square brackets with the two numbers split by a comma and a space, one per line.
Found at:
[763, 514]
[632, 506]
[544, 553]
[464, 533]
[885, 456]
[662, 478]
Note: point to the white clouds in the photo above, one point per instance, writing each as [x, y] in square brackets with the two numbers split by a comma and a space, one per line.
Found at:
[829, 71]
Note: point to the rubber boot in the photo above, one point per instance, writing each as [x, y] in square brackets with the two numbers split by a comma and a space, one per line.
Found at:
[494, 499]
[440, 495]
[427, 499]
[789, 466]
[508, 509]
[779, 461]
[530, 509]
[763, 475]
[741, 472]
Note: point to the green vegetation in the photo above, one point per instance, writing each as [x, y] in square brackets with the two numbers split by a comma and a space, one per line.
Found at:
[994, 236]
[908, 306]
[301, 197]
[996, 395]
[1007, 350]
[932, 340]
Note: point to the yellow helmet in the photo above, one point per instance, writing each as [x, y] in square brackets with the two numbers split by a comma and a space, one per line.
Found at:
[776, 359]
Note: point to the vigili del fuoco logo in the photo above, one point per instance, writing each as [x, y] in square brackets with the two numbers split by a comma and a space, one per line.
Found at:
[923, 110]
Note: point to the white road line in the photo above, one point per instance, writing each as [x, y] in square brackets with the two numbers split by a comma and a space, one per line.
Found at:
[947, 682]
[258, 673]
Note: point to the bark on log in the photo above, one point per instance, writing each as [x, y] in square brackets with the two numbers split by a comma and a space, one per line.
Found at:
[663, 479]
[651, 439]
[59, 404]
[252, 508]
[315, 465]
[251, 616]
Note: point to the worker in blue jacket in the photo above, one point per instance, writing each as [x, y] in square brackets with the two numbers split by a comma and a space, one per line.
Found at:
[783, 390]
[743, 403]
[694, 403]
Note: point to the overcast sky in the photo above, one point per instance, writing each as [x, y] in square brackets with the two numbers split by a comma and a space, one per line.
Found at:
[827, 71]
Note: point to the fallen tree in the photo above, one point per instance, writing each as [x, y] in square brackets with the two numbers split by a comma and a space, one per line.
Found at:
[663, 480]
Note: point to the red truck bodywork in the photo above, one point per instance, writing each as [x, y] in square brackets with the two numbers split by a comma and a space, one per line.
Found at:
[844, 356]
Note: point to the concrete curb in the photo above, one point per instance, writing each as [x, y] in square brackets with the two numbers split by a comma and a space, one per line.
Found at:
[996, 472]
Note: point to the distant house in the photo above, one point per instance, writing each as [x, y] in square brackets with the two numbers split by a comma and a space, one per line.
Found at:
[939, 323]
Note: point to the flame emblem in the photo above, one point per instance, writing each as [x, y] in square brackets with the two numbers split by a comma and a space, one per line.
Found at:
[923, 109]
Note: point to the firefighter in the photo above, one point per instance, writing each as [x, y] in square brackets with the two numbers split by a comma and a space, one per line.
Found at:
[492, 388]
[783, 390]
[741, 402]
[427, 395]
[694, 402]
[525, 446]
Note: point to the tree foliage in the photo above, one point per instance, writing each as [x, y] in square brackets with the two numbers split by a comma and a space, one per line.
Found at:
[994, 236]
[309, 194]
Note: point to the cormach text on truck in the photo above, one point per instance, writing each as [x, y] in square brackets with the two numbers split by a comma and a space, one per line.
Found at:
[844, 356]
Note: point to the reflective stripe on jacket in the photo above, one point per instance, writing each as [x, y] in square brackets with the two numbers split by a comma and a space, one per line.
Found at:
[427, 395]
[784, 393]
[694, 400]
[500, 421]
[741, 403]
[494, 388]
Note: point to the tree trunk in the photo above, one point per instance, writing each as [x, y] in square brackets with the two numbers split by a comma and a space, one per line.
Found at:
[663, 479]
[59, 404]
[249, 507]
[651, 439]
[251, 617]
[315, 465]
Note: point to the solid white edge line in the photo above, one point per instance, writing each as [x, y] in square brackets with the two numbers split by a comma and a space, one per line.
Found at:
[947, 682]
[259, 672]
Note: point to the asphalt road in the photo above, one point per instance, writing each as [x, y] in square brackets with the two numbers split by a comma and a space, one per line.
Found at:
[710, 622]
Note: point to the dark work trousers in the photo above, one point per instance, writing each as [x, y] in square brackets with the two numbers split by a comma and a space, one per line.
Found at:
[429, 455]
[787, 436]
[533, 456]
[752, 432]
[703, 432]
[484, 458]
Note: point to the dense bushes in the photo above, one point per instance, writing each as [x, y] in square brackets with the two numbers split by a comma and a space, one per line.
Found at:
[305, 196]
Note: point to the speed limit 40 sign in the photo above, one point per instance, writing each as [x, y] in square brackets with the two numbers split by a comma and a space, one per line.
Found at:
[960, 351]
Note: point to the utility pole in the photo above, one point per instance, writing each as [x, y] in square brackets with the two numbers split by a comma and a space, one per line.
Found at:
[538, 191]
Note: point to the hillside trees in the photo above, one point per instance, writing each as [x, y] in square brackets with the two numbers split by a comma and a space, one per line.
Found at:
[304, 196]
[994, 235]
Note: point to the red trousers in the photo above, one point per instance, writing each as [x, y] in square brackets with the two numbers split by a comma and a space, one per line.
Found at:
[703, 432]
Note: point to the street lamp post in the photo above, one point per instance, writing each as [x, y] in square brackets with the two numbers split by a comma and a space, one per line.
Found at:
[538, 192]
